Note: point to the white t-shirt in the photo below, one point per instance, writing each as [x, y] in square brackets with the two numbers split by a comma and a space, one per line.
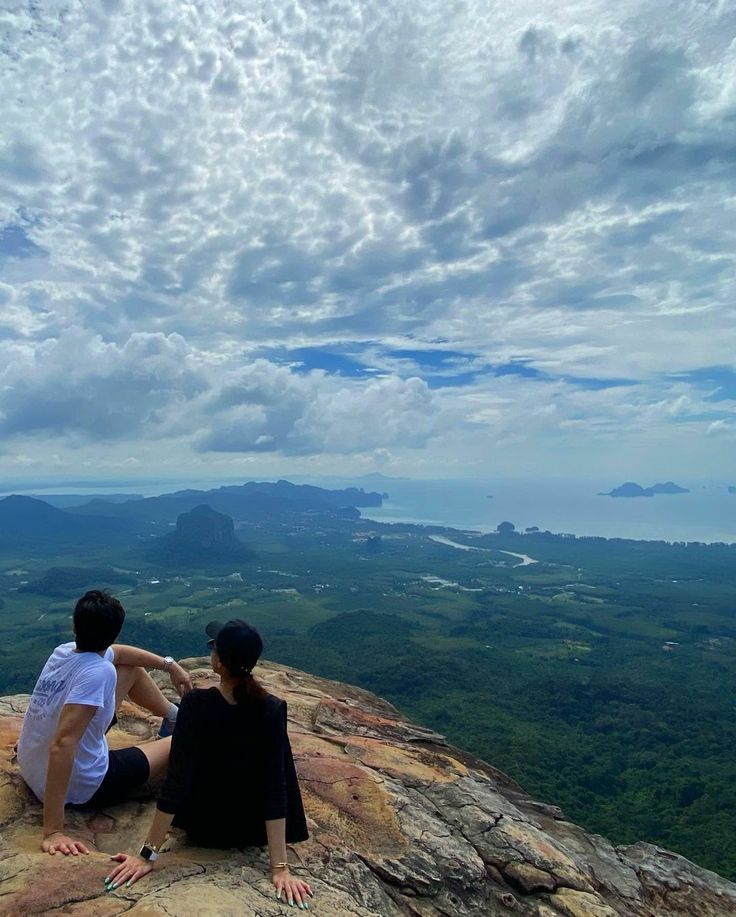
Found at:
[69, 678]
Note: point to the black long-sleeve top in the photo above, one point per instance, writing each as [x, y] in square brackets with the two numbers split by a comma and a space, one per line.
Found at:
[231, 769]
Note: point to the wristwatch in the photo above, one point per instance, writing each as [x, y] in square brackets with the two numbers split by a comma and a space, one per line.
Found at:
[149, 852]
[168, 662]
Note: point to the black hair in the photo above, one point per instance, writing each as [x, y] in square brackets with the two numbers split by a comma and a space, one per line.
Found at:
[248, 689]
[239, 647]
[98, 619]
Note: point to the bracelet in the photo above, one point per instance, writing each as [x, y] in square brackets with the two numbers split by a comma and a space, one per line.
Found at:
[279, 865]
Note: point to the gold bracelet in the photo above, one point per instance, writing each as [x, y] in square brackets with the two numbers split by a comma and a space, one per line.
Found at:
[279, 865]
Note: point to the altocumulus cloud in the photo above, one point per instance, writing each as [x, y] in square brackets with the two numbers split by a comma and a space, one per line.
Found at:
[187, 188]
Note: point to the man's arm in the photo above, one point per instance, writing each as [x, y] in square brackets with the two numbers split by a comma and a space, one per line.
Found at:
[73, 721]
[133, 656]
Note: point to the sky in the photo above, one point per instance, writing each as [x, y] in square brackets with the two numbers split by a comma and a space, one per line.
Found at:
[423, 238]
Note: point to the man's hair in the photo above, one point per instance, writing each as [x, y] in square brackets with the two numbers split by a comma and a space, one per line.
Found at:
[98, 619]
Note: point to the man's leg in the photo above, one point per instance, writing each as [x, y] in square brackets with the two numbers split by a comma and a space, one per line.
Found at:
[135, 683]
[158, 756]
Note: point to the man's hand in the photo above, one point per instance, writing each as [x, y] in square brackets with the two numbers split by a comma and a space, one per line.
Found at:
[57, 840]
[130, 868]
[180, 679]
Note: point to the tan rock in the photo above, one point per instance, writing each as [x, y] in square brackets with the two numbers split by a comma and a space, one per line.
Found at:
[401, 824]
[528, 878]
[573, 903]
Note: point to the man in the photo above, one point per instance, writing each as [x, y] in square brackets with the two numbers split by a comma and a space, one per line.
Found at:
[62, 750]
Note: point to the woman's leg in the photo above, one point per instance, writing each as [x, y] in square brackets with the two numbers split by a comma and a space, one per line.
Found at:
[135, 683]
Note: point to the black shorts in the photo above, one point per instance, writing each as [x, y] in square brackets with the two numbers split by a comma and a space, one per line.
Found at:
[127, 770]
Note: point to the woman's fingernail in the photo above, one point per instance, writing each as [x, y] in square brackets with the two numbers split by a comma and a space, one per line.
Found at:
[127, 884]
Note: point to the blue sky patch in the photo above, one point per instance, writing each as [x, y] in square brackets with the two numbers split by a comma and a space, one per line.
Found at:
[14, 243]
[307, 359]
[721, 380]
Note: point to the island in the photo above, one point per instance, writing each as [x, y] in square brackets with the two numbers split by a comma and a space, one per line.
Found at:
[631, 489]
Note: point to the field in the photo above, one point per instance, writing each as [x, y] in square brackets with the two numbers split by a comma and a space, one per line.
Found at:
[601, 676]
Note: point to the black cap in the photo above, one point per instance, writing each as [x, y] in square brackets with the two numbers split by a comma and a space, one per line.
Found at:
[238, 645]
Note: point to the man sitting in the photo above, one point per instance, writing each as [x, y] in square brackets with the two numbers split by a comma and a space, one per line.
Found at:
[62, 750]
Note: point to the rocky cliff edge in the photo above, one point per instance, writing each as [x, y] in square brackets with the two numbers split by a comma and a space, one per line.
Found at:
[401, 824]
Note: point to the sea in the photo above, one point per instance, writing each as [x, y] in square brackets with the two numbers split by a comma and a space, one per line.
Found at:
[706, 514]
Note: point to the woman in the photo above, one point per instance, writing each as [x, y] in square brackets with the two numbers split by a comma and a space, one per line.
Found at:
[231, 780]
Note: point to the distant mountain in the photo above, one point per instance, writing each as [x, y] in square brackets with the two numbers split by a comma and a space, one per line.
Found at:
[631, 489]
[202, 534]
[65, 500]
[251, 502]
[29, 518]
[382, 478]
[731, 489]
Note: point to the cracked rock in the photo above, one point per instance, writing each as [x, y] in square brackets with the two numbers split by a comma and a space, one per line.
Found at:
[401, 824]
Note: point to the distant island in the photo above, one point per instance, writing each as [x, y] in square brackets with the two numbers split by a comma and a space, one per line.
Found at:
[630, 489]
[731, 489]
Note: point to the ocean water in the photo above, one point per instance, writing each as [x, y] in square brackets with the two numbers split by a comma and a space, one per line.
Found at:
[707, 513]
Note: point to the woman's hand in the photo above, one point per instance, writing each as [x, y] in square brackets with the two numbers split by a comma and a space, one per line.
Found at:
[290, 889]
[130, 868]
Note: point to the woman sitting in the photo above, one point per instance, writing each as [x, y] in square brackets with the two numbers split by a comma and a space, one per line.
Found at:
[231, 780]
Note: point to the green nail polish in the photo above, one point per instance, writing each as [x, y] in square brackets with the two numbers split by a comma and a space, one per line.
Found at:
[127, 884]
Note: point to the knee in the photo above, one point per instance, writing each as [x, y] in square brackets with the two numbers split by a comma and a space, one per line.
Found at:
[127, 676]
[133, 671]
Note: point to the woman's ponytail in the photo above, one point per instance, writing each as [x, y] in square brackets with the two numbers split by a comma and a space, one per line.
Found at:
[247, 689]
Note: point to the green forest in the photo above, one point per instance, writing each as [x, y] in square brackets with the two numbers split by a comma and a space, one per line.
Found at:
[599, 674]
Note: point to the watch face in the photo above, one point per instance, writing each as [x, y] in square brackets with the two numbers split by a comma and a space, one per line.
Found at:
[146, 852]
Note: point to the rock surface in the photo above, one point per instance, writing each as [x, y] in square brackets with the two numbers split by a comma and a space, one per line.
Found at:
[401, 824]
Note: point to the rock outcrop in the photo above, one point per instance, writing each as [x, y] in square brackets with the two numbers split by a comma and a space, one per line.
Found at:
[201, 534]
[401, 824]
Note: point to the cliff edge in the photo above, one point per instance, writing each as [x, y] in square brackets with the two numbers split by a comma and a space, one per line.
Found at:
[401, 824]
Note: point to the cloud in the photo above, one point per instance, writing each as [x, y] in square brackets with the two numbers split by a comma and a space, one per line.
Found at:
[282, 219]
[267, 408]
[79, 384]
